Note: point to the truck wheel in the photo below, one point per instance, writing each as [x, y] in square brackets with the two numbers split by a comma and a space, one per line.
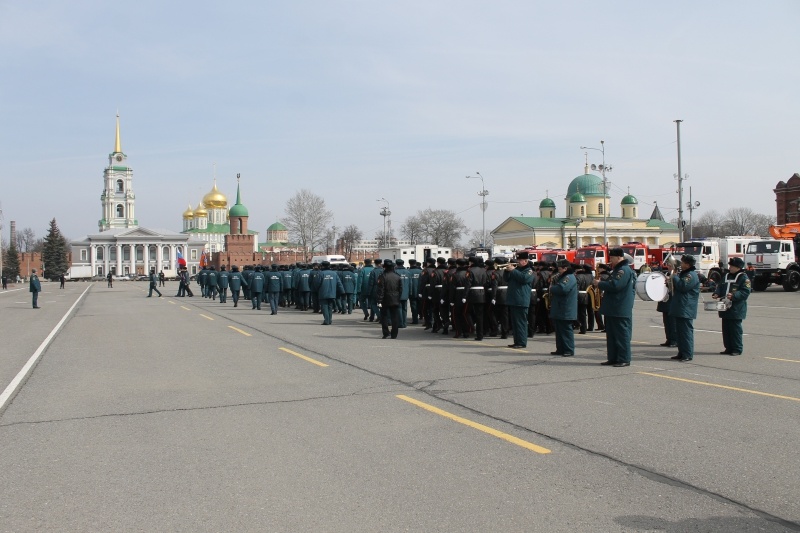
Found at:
[760, 284]
[715, 276]
[792, 281]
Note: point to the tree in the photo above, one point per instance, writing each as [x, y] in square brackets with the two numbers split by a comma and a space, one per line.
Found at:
[26, 238]
[54, 254]
[390, 238]
[306, 219]
[350, 236]
[743, 221]
[476, 238]
[11, 261]
[411, 230]
[709, 224]
[438, 226]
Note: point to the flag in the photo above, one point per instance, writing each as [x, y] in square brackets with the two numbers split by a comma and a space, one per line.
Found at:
[203, 260]
[180, 262]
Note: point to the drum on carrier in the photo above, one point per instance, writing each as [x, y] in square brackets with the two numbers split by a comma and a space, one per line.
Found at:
[652, 287]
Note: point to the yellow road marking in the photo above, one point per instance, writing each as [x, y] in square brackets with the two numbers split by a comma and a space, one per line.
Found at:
[204, 316]
[301, 356]
[240, 331]
[759, 393]
[788, 360]
[184, 307]
[480, 427]
[170, 301]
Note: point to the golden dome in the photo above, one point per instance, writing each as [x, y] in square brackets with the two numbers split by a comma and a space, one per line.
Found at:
[188, 213]
[215, 199]
[200, 212]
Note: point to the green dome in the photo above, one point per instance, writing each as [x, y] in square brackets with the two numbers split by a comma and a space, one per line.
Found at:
[277, 227]
[547, 202]
[588, 184]
[630, 200]
[577, 198]
[238, 210]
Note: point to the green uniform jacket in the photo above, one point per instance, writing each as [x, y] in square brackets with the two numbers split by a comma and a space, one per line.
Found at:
[329, 285]
[520, 281]
[257, 282]
[236, 281]
[740, 287]
[564, 298]
[274, 281]
[686, 292]
[222, 279]
[618, 291]
[35, 286]
[363, 280]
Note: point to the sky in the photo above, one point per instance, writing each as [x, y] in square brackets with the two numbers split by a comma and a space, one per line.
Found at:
[360, 100]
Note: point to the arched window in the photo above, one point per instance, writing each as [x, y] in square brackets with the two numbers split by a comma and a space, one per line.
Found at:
[634, 212]
[600, 208]
[239, 225]
[120, 186]
[583, 210]
[120, 211]
[165, 253]
[570, 210]
[151, 253]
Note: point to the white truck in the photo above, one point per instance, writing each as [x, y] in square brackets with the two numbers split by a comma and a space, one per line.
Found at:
[420, 252]
[775, 261]
[712, 254]
[79, 272]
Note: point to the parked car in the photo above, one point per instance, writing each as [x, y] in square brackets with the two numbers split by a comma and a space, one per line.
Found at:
[142, 277]
[124, 277]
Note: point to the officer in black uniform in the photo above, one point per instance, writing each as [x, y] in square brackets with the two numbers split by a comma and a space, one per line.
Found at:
[414, 272]
[476, 295]
[459, 285]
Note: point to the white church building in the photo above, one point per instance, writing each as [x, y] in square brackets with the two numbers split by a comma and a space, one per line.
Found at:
[123, 247]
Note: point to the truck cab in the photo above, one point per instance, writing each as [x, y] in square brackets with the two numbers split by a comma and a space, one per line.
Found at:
[638, 251]
[592, 255]
[774, 261]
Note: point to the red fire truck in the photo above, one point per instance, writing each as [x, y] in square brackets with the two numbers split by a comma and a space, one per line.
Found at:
[556, 254]
[592, 254]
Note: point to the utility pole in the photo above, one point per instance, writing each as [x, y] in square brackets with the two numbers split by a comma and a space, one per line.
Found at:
[680, 183]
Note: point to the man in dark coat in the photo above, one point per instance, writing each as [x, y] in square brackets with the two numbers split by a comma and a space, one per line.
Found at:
[414, 272]
[683, 307]
[223, 281]
[274, 286]
[564, 308]
[617, 309]
[476, 295]
[363, 288]
[401, 271]
[518, 298]
[153, 284]
[35, 288]
[735, 288]
[328, 285]
[256, 283]
[388, 292]
[459, 285]
[237, 281]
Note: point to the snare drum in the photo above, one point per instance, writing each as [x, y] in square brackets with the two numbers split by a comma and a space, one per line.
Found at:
[717, 305]
[652, 287]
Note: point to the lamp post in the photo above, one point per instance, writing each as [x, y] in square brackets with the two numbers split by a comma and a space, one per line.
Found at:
[384, 213]
[680, 184]
[483, 193]
[578, 222]
[691, 206]
[603, 168]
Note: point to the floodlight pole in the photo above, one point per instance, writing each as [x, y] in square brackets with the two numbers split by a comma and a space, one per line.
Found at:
[603, 169]
[483, 193]
[680, 183]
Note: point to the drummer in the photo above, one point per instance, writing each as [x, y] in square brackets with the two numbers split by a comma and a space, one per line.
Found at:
[669, 324]
[736, 289]
[683, 307]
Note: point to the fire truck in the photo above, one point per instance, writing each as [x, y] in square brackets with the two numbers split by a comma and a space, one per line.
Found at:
[639, 252]
[712, 254]
[592, 254]
[534, 252]
[557, 254]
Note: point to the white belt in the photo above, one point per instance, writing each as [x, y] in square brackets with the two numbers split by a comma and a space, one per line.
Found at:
[460, 288]
[437, 286]
[476, 288]
[503, 288]
[582, 292]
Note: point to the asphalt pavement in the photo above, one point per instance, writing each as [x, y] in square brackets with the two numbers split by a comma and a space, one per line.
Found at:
[184, 414]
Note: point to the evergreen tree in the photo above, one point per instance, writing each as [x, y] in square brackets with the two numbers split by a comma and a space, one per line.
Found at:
[54, 254]
[11, 262]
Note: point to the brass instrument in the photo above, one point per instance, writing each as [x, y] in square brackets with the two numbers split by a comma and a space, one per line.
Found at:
[594, 293]
[673, 265]
[553, 279]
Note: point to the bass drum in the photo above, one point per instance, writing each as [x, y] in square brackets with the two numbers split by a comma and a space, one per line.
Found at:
[652, 287]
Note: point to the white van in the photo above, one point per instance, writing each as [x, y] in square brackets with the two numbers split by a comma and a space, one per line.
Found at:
[332, 259]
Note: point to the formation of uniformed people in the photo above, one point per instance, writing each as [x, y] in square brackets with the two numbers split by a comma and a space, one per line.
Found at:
[473, 298]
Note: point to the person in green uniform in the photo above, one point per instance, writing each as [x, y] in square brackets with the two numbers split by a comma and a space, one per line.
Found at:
[153, 283]
[564, 308]
[35, 288]
[683, 307]
[617, 308]
[236, 281]
[518, 298]
[735, 288]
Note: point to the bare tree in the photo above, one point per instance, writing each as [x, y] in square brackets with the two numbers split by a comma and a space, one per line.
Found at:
[741, 221]
[412, 230]
[391, 240]
[26, 240]
[762, 223]
[350, 236]
[307, 219]
[438, 226]
[709, 224]
[476, 238]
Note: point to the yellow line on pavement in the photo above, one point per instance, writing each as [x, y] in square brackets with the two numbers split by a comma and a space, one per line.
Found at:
[787, 360]
[301, 356]
[480, 427]
[240, 331]
[759, 393]
[184, 307]
[204, 316]
[170, 301]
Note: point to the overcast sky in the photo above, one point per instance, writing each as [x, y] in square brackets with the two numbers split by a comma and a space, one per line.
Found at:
[361, 100]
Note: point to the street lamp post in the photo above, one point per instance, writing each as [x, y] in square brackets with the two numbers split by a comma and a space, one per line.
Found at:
[578, 222]
[384, 213]
[691, 206]
[483, 193]
[603, 168]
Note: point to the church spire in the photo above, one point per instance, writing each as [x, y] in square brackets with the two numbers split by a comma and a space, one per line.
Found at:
[117, 142]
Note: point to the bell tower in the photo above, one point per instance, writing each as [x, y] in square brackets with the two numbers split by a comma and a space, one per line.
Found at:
[117, 198]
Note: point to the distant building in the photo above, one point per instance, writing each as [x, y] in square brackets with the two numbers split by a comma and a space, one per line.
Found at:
[586, 202]
[122, 246]
[208, 222]
[787, 200]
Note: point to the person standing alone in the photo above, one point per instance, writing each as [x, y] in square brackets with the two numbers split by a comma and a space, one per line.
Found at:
[388, 292]
[35, 288]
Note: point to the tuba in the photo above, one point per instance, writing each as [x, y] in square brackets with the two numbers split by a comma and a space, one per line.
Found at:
[673, 264]
[595, 294]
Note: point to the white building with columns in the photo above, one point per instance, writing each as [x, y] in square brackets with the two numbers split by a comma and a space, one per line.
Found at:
[122, 247]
